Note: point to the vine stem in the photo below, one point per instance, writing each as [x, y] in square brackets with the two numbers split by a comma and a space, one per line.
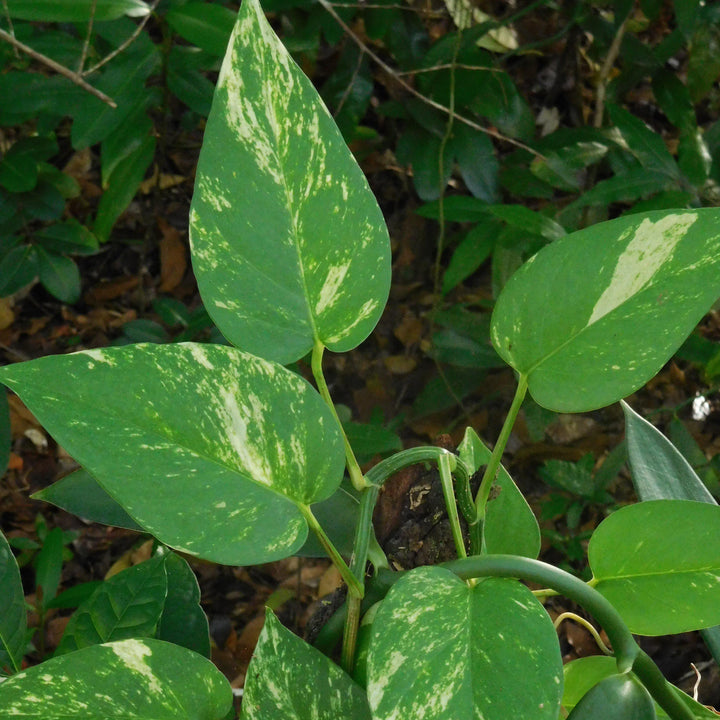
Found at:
[628, 655]
[355, 586]
[356, 476]
[483, 493]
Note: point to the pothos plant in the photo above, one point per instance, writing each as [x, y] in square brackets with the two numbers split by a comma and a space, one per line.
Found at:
[224, 454]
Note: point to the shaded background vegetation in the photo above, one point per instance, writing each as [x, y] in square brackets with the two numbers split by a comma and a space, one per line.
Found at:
[486, 129]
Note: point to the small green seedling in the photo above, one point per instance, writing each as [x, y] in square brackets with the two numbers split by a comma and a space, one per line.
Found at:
[222, 453]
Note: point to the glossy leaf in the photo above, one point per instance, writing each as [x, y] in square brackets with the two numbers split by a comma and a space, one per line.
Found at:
[183, 621]
[581, 675]
[290, 680]
[279, 192]
[442, 649]
[658, 563]
[59, 275]
[134, 679]
[659, 471]
[80, 494]
[75, 10]
[203, 24]
[647, 146]
[123, 183]
[127, 605]
[48, 566]
[5, 433]
[67, 237]
[510, 525]
[18, 268]
[621, 696]
[615, 280]
[13, 616]
[210, 449]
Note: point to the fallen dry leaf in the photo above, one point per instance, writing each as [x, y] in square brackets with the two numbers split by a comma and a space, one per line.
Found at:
[173, 256]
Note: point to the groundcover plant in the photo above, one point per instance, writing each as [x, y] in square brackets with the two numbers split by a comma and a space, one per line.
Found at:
[222, 453]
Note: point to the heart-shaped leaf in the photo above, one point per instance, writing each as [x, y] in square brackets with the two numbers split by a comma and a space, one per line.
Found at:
[594, 315]
[658, 563]
[290, 680]
[212, 450]
[132, 679]
[441, 648]
[289, 245]
[621, 696]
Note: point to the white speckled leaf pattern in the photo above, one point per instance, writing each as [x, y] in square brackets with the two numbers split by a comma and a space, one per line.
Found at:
[290, 680]
[129, 679]
[289, 244]
[658, 563]
[210, 449]
[594, 315]
[441, 649]
[13, 616]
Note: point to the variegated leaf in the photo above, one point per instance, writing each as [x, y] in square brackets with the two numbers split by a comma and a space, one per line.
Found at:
[13, 615]
[209, 448]
[129, 679]
[289, 245]
[594, 315]
[290, 680]
[441, 648]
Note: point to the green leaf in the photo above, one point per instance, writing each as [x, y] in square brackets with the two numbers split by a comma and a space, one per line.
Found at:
[124, 81]
[704, 61]
[123, 183]
[647, 146]
[475, 156]
[18, 172]
[510, 524]
[581, 675]
[75, 10]
[443, 649]
[658, 563]
[278, 191]
[632, 290]
[290, 680]
[125, 139]
[67, 237]
[127, 605]
[59, 275]
[80, 494]
[203, 24]
[138, 679]
[659, 471]
[212, 450]
[470, 254]
[623, 696]
[48, 566]
[13, 617]
[183, 621]
[5, 433]
[187, 82]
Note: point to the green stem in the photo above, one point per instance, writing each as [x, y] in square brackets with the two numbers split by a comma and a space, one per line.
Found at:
[445, 470]
[355, 587]
[483, 493]
[664, 694]
[354, 471]
[624, 646]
